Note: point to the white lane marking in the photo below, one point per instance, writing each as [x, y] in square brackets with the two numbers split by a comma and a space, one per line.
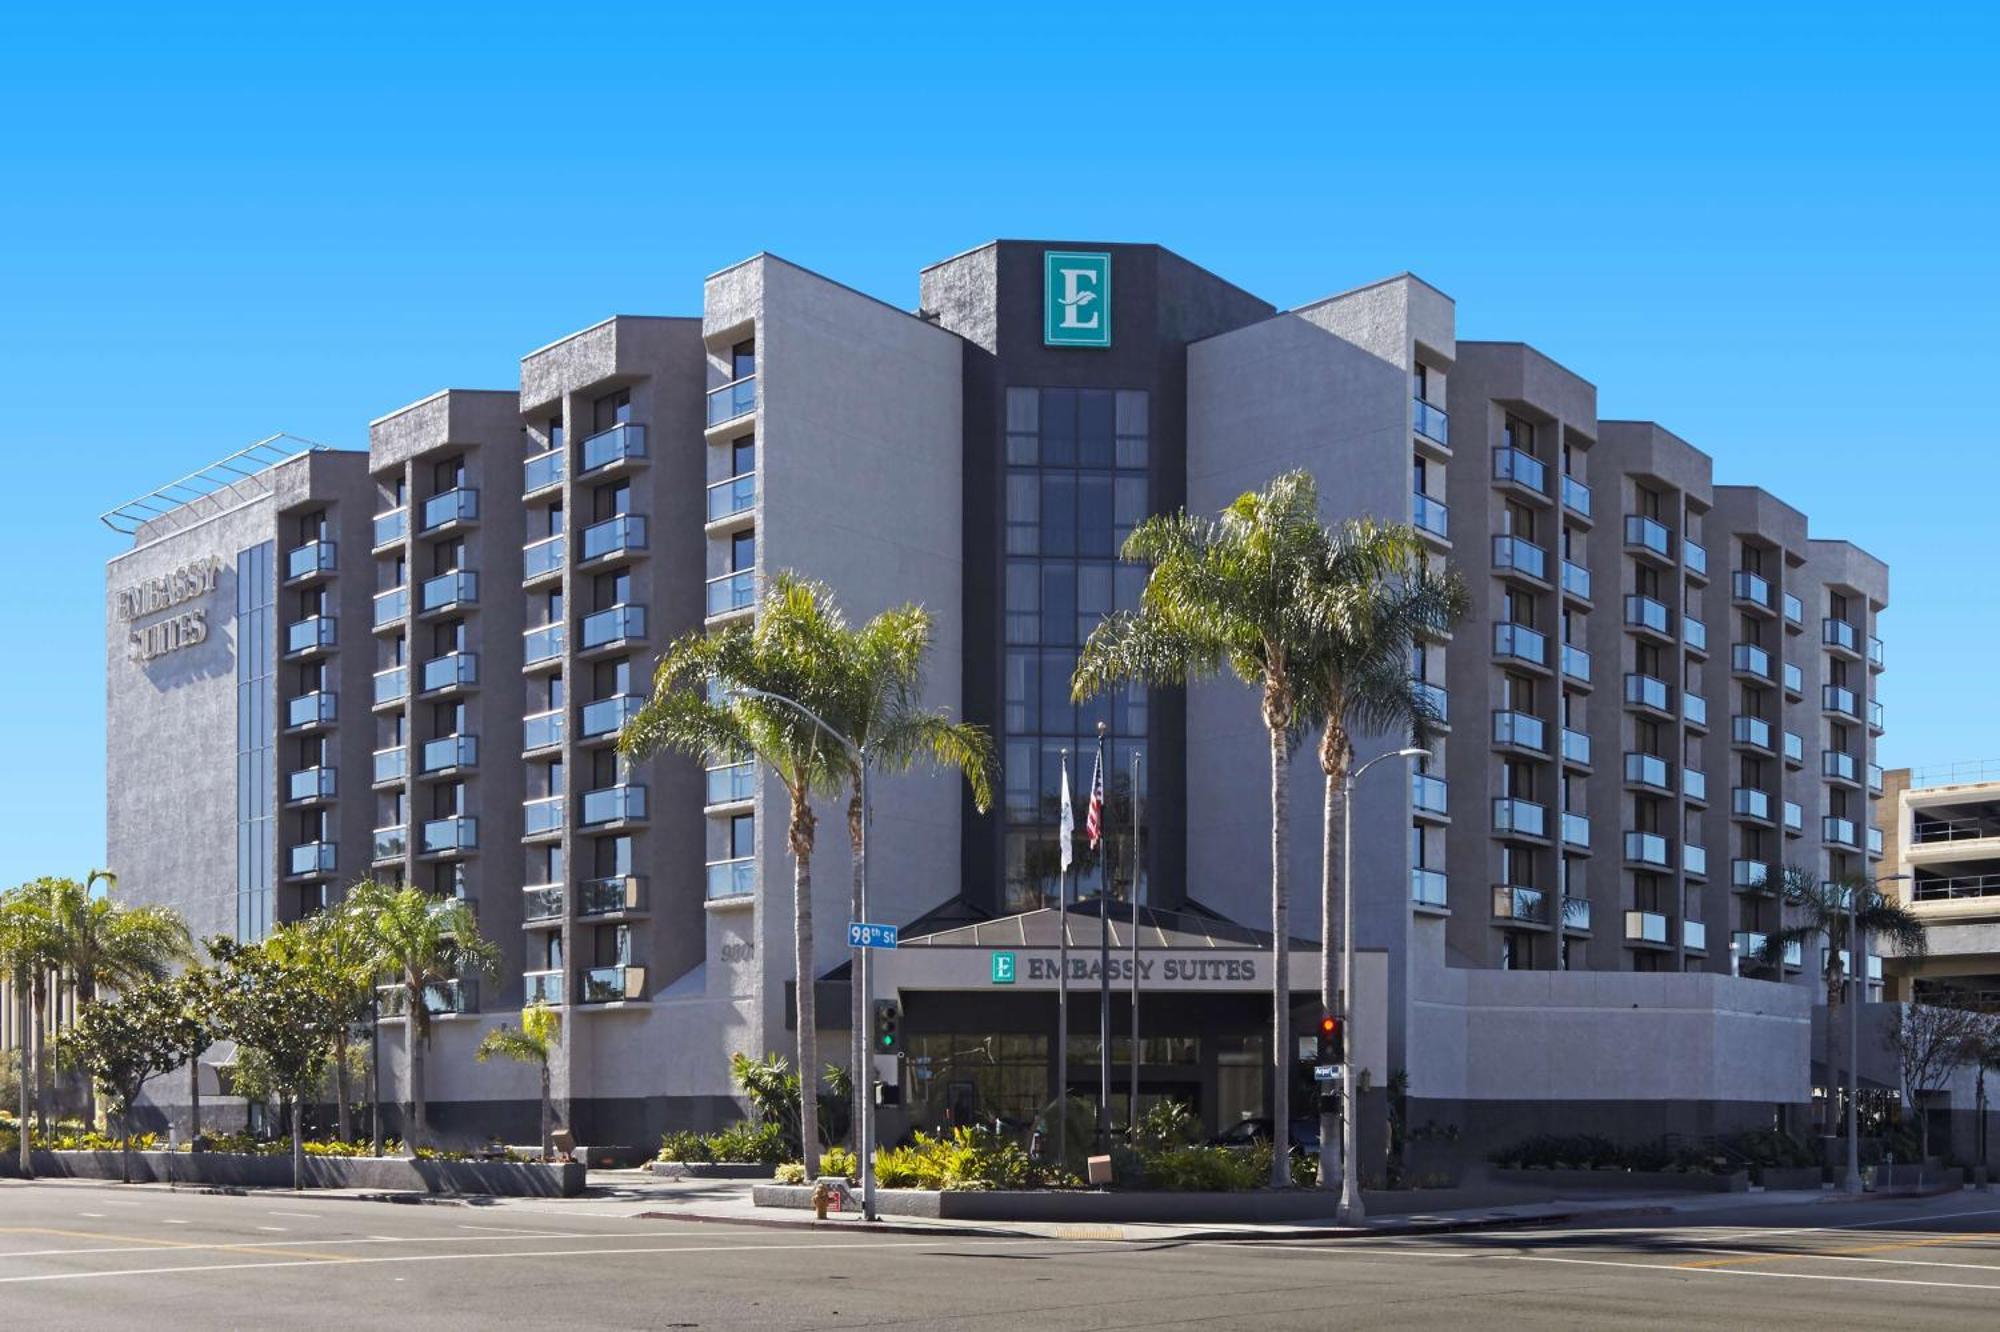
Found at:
[1713, 1271]
[114, 1202]
[185, 1245]
[96, 1216]
[172, 1221]
[309, 1216]
[514, 1230]
[280, 1229]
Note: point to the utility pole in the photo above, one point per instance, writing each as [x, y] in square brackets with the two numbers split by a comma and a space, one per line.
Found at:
[1132, 1114]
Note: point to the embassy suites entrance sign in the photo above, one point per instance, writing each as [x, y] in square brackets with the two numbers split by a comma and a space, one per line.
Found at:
[169, 592]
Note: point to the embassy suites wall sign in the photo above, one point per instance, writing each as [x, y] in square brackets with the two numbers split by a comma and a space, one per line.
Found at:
[169, 592]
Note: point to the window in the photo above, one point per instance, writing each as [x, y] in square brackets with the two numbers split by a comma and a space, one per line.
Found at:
[555, 429]
[1520, 434]
[743, 456]
[613, 409]
[612, 589]
[613, 500]
[743, 551]
[1422, 385]
[449, 474]
[743, 359]
[742, 836]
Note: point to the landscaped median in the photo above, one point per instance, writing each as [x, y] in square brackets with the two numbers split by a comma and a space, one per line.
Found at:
[398, 1174]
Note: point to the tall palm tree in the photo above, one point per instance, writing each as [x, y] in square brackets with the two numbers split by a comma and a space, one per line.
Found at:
[1232, 592]
[1375, 599]
[1831, 910]
[422, 942]
[797, 648]
[533, 1042]
[884, 715]
[340, 945]
[27, 950]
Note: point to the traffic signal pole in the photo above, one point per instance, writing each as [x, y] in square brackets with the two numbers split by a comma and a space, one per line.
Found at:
[867, 1070]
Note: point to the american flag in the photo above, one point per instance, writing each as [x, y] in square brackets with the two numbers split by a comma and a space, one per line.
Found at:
[1093, 821]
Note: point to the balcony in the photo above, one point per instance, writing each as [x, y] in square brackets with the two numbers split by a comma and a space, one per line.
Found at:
[308, 785]
[1752, 731]
[1836, 765]
[392, 685]
[318, 708]
[389, 844]
[732, 497]
[623, 535]
[391, 765]
[1644, 848]
[1575, 580]
[1694, 785]
[623, 895]
[1521, 731]
[542, 987]
[729, 879]
[1751, 660]
[1874, 774]
[1575, 663]
[1647, 536]
[1695, 557]
[448, 754]
[1576, 747]
[310, 636]
[541, 472]
[1527, 906]
[613, 626]
[449, 510]
[391, 527]
[1646, 927]
[1874, 840]
[1648, 691]
[1794, 818]
[603, 719]
[1793, 746]
[1840, 636]
[1837, 698]
[1954, 887]
[1875, 717]
[1874, 653]
[1751, 589]
[1427, 887]
[542, 901]
[392, 607]
[1576, 830]
[309, 860]
[1694, 710]
[732, 400]
[1429, 795]
[1695, 634]
[309, 562]
[1576, 914]
[1522, 818]
[1839, 831]
[543, 559]
[1649, 615]
[440, 998]
[613, 985]
[1576, 496]
[1430, 516]
[543, 643]
[1750, 945]
[448, 592]
[625, 803]
[1795, 612]
[541, 816]
[732, 592]
[1523, 557]
[449, 836]
[454, 670]
[1437, 698]
[1794, 679]
[1694, 860]
[1748, 802]
[1694, 936]
[1431, 422]
[624, 443]
[731, 784]
[542, 730]
[1745, 873]
[1517, 642]
[1520, 469]
[1648, 770]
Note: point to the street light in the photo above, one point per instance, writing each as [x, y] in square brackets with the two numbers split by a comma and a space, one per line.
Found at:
[860, 1052]
[1857, 989]
[1351, 1211]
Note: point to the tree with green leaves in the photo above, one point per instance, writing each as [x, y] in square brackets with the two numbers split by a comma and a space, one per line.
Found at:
[1232, 593]
[533, 1042]
[424, 943]
[341, 945]
[796, 648]
[283, 1009]
[28, 952]
[121, 1043]
[194, 990]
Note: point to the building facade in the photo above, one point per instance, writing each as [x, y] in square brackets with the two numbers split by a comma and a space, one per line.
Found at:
[416, 660]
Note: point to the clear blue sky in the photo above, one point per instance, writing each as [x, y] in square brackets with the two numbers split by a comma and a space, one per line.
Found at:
[1771, 227]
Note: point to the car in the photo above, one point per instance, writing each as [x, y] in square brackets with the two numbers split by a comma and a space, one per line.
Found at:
[1304, 1135]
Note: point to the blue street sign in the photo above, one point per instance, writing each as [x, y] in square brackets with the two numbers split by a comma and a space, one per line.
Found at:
[860, 935]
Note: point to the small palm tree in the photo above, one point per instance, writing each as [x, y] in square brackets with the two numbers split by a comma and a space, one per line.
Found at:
[533, 1042]
[798, 649]
[340, 948]
[1232, 593]
[28, 951]
[422, 942]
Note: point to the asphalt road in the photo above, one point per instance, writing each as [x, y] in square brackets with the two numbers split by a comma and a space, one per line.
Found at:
[76, 1256]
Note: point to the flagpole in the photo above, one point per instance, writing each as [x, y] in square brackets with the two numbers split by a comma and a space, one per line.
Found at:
[1066, 834]
[1132, 1116]
[1103, 947]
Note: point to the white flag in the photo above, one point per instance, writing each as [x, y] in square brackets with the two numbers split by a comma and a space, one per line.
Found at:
[1067, 829]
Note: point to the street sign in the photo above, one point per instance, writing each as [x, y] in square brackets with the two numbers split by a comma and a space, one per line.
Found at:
[862, 935]
[1326, 1073]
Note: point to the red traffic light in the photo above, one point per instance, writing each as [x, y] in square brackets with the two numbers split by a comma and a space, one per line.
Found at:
[1329, 1025]
[1330, 1044]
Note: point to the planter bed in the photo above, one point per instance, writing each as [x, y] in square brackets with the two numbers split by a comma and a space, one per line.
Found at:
[710, 1170]
[1788, 1177]
[527, 1179]
[1131, 1205]
[1623, 1181]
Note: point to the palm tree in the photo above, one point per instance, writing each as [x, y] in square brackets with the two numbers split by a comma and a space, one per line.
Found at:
[27, 950]
[884, 717]
[1375, 600]
[1832, 909]
[340, 945]
[423, 942]
[533, 1042]
[797, 649]
[1232, 592]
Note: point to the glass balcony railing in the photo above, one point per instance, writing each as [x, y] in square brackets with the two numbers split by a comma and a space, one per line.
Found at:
[1839, 831]
[1430, 515]
[731, 496]
[1840, 634]
[441, 836]
[448, 753]
[1749, 659]
[1646, 927]
[315, 633]
[613, 896]
[309, 560]
[730, 783]
[440, 997]
[1575, 913]
[1646, 613]
[1794, 679]
[1874, 836]
[392, 685]
[541, 815]
[1753, 731]
[1750, 587]
[315, 709]
[1427, 887]
[731, 400]
[542, 987]
[542, 471]
[1576, 830]
[1694, 784]
[1795, 817]
[1694, 936]
[449, 591]
[615, 624]
[309, 784]
[1793, 746]
[1576, 496]
[542, 558]
[1694, 860]
[607, 716]
[613, 985]
[309, 860]
[1644, 848]
[1576, 746]
[1695, 633]
[621, 443]
[1520, 643]
[1837, 698]
[1576, 580]
[732, 878]
[1750, 802]
[1839, 765]
[1875, 652]
[390, 843]
[391, 764]
[1874, 775]
[392, 607]
[542, 901]
[1520, 468]
[1524, 557]
[544, 642]
[1528, 905]
[1649, 691]
[1439, 700]
[1749, 873]
[458, 505]
[1431, 422]
[732, 592]
[454, 670]
[1750, 946]
[1575, 662]
[542, 729]
[1795, 610]
[1874, 715]
[1520, 729]
[623, 535]
[614, 804]
[1525, 817]
[1648, 534]
[1648, 770]
[1695, 557]
[1429, 794]
[391, 527]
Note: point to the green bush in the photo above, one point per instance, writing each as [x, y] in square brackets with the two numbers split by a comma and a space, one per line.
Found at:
[1204, 1170]
[839, 1161]
[745, 1143]
[791, 1172]
[684, 1145]
[1167, 1125]
[1584, 1151]
[897, 1168]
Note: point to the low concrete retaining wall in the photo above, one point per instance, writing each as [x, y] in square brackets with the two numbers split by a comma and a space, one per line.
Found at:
[525, 1179]
[1788, 1177]
[710, 1170]
[1622, 1181]
[1085, 1207]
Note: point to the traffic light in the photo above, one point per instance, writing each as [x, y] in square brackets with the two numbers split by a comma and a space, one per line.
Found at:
[888, 1027]
[1332, 1039]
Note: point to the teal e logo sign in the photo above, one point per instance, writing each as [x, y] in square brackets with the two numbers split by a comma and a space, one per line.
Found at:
[1003, 968]
[1076, 299]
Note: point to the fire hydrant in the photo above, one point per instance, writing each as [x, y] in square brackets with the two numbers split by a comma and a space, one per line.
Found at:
[822, 1197]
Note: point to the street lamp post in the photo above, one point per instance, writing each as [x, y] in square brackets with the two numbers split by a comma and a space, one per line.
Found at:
[1351, 1211]
[1857, 989]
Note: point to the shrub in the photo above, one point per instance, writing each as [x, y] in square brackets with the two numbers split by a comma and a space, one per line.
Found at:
[791, 1172]
[1204, 1170]
[897, 1168]
[1167, 1125]
[839, 1161]
[684, 1145]
[748, 1144]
